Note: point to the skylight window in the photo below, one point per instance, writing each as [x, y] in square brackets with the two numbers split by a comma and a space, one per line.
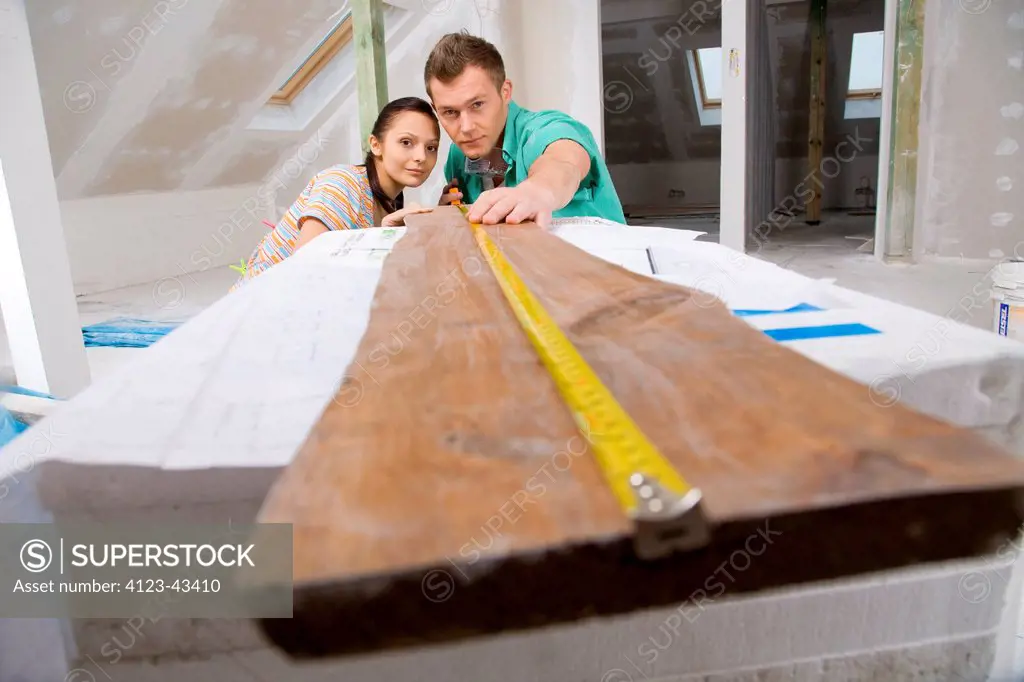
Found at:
[866, 59]
[330, 45]
[705, 67]
[709, 76]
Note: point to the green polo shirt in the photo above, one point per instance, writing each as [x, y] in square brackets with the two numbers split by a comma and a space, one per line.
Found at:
[527, 135]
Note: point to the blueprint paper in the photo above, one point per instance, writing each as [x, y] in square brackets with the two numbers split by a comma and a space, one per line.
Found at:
[210, 414]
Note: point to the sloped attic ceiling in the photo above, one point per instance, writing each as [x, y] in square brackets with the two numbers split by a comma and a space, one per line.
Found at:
[157, 95]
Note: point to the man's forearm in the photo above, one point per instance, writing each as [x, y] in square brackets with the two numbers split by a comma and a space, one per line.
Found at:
[558, 178]
[559, 171]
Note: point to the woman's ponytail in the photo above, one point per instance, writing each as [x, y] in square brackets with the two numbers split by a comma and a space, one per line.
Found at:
[388, 204]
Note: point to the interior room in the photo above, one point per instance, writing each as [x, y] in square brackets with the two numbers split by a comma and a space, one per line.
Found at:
[837, 174]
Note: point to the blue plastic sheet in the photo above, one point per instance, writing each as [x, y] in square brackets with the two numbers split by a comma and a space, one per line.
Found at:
[18, 390]
[127, 332]
[9, 426]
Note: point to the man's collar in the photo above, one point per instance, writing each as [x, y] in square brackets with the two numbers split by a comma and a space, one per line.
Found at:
[510, 143]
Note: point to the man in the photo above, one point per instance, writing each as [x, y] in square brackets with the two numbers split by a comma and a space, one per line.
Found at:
[546, 164]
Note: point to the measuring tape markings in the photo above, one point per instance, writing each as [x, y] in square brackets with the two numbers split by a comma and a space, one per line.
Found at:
[665, 508]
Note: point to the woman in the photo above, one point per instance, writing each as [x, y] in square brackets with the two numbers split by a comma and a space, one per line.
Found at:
[403, 152]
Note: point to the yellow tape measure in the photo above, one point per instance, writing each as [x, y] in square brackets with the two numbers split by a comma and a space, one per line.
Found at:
[665, 509]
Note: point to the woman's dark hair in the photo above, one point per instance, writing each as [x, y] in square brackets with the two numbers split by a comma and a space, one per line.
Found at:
[384, 121]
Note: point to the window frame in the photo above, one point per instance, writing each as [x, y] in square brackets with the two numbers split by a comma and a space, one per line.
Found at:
[325, 51]
[864, 93]
[706, 102]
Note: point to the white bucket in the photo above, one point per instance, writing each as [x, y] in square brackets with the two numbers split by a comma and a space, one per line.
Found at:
[1008, 300]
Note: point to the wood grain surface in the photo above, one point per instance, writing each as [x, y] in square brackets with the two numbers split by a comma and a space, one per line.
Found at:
[446, 491]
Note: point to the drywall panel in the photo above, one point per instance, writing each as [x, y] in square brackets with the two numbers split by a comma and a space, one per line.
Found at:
[971, 164]
[82, 53]
[139, 93]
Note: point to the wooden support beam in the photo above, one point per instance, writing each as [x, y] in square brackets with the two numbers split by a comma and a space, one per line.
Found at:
[371, 63]
[904, 117]
[816, 121]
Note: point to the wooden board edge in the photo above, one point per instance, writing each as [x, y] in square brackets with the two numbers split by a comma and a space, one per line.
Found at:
[444, 603]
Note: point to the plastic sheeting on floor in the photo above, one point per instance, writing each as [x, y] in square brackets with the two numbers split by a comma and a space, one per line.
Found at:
[127, 332]
[9, 426]
[18, 390]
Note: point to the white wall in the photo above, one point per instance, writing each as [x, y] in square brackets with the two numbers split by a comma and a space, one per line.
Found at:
[119, 241]
[559, 68]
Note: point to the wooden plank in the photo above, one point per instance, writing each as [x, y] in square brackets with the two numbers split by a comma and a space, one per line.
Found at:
[371, 63]
[816, 121]
[446, 491]
[905, 111]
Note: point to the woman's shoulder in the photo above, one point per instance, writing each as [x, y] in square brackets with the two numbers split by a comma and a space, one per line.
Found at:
[350, 174]
[343, 193]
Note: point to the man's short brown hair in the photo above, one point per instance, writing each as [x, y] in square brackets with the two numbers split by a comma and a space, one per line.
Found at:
[455, 51]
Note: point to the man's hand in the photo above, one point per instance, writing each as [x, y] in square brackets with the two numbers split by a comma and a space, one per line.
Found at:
[447, 195]
[513, 205]
[551, 182]
[398, 217]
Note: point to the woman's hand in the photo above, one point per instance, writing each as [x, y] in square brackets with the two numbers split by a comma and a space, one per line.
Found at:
[397, 218]
[447, 195]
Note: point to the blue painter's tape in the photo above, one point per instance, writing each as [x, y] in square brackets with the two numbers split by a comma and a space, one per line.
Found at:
[823, 332]
[18, 390]
[800, 308]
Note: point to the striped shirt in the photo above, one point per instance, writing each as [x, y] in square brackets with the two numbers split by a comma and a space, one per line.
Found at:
[340, 197]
